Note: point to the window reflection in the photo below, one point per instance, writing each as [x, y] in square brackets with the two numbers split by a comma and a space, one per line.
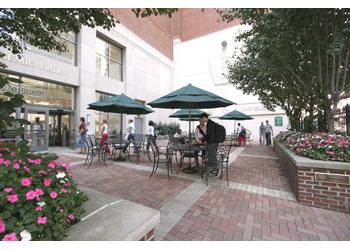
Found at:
[42, 93]
[68, 39]
[108, 59]
[112, 118]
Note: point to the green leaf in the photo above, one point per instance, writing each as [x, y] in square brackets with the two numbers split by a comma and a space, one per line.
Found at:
[5, 214]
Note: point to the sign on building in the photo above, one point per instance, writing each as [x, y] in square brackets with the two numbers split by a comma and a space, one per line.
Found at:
[278, 121]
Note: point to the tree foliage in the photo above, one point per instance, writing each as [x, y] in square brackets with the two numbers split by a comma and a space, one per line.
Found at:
[293, 58]
[40, 28]
[153, 11]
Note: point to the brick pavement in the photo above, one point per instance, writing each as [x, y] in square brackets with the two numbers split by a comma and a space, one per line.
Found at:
[130, 184]
[259, 171]
[259, 150]
[220, 212]
[226, 214]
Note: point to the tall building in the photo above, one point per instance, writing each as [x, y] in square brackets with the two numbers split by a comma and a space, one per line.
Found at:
[143, 58]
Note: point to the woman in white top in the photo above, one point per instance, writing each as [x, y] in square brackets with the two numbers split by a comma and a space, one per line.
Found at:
[104, 135]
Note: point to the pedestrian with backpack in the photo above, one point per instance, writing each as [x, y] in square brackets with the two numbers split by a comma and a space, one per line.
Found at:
[214, 134]
[242, 136]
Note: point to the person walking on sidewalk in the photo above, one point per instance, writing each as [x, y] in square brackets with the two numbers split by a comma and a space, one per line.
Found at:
[268, 133]
[262, 133]
[83, 134]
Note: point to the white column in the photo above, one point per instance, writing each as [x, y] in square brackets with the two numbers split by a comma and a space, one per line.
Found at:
[86, 60]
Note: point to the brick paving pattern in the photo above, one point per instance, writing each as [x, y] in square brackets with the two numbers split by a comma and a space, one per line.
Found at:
[226, 214]
[130, 184]
[259, 171]
[260, 150]
[220, 212]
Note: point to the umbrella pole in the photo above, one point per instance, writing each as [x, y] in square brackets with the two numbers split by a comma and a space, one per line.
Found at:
[120, 158]
[189, 128]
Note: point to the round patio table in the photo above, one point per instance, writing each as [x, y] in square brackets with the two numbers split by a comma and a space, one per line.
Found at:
[187, 148]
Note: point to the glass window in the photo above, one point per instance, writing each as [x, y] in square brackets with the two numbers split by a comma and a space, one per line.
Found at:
[68, 56]
[115, 53]
[42, 93]
[108, 59]
[112, 118]
[102, 65]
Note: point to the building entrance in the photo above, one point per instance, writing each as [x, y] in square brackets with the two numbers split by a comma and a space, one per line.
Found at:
[61, 128]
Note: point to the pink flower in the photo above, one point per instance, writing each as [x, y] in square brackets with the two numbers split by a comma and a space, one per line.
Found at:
[20, 161]
[41, 172]
[26, 182]
[8, 190]
[67, 165]
[2, 160]
[7, 163]
[47, 182]
[41, 220]
[30, 160]
[26, 169]
[67, 184]
[53, 195]
[31, 195]
[12, 198]
[37, 161]
[39, 191]
[2, 226]
[71, 216]
[63, 190]
[10, 237]
[16, 166]
[38, 209]
[51, 165]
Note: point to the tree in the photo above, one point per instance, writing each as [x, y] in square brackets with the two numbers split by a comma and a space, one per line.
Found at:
[40, 27]
[298, 52]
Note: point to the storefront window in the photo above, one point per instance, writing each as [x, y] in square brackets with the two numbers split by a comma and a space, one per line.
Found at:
[112, 118]
[43, 93]
[69, 56]
[108, 59]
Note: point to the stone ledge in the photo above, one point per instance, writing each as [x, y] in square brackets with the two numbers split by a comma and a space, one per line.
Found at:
[301, 161]
[123, 220]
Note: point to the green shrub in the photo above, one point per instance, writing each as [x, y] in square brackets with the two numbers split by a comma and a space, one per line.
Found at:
[38, 197]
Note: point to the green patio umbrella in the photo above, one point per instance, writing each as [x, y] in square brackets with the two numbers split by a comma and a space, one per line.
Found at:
[190, 97]
[236, 116]
[184, 114]
[120, 104]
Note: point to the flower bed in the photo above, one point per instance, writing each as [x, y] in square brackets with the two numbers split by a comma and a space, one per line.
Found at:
[38, 197]
[319, 146]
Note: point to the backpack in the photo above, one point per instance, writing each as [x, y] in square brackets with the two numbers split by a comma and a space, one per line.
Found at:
[243, 132]
[220, 133]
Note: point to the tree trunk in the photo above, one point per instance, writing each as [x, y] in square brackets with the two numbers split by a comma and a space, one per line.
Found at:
[294, 120]
[330, 121]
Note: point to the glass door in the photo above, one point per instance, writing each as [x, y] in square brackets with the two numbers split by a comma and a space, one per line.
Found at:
[37, 134]
[61, 128]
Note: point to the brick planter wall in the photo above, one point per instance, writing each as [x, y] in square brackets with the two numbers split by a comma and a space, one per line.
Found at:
[301, 176]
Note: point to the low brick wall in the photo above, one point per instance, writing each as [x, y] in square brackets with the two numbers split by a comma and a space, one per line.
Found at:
[301, 176]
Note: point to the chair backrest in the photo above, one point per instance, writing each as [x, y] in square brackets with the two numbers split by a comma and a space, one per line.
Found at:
[223, 153]
[92, 141]
[249, 133]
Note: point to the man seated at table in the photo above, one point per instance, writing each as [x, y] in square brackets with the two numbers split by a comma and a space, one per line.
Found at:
[200, 134]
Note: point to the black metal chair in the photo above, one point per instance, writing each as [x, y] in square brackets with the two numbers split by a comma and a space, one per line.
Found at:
[222, 156]
[161, 155]
[95, 149]
[140, 145]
